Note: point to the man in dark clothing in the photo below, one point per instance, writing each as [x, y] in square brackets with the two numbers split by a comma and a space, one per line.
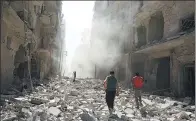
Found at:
[111, 85]
[74, 76]
[137, 82]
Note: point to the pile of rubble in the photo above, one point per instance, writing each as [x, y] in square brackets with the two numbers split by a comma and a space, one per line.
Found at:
[63, 100]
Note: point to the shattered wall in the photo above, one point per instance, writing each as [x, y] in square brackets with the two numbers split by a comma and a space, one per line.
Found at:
[15, 49]
[12, 37]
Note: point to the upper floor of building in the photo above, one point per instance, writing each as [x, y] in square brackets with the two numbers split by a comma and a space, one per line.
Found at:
[157, 21]
[31, 21]
[136, 24]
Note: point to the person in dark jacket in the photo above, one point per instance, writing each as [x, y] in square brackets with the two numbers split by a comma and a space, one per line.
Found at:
[111, 88]
[74, 76]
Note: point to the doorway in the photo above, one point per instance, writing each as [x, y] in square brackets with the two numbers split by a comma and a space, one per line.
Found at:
[189, 80]
[163, 73]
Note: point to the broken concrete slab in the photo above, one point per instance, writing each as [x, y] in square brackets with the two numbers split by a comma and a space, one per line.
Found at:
[87, 117]
[9, 117]
[129, 111]
[74, 93]
[54, 111]
[38, 101]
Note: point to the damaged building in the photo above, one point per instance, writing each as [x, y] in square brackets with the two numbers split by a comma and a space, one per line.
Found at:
[165, 37]
[30, 40]
[156, 39]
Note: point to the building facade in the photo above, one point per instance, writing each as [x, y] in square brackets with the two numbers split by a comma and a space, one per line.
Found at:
[157, 40]
[29, 39]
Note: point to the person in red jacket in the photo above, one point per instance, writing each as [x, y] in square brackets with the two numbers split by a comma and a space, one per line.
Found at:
[137, 82]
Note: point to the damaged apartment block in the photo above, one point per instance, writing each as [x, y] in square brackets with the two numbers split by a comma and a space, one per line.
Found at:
[167, 67]
[29, 39]
[159, 38]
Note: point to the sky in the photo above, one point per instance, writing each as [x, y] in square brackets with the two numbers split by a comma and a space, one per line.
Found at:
[78, 16]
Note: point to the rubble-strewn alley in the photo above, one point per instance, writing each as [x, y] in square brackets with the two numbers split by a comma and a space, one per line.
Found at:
[151, 43]
[63, 100]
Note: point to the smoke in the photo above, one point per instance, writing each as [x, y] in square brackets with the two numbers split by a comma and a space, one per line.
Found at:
[104, 52]
[80, 61]
[107, 42]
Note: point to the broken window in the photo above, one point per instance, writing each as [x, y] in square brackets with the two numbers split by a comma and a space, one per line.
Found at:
[141, 35]
[156, 27]
[188, 23]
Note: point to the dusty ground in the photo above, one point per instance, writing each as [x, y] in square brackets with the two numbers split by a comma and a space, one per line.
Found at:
[63, 100]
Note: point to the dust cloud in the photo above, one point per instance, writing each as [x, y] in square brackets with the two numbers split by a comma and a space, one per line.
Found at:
[107, 43]
[104, 50]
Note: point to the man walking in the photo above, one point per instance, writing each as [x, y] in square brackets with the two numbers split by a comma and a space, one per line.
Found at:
[137, 82]
[111, 86]
[74, 76]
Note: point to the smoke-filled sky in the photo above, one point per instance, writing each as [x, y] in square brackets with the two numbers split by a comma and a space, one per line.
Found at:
[78, 16]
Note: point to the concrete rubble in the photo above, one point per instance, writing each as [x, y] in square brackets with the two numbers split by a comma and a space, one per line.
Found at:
[84, 100]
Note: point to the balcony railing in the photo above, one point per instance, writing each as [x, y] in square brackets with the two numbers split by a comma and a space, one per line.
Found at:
[187, 25]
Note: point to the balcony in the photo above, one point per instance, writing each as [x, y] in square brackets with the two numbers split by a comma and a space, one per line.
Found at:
[167, 43]
[158, 43]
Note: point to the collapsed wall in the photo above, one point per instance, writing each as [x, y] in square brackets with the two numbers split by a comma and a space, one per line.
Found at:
[24, 53]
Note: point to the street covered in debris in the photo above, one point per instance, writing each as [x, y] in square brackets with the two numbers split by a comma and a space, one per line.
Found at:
[63, 100]
[70, 60]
